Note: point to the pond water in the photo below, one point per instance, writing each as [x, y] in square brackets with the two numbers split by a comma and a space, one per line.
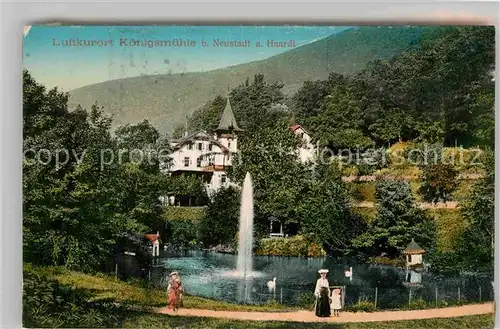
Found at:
[211, 275]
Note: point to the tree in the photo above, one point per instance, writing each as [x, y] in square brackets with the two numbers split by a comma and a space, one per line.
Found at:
[253, 103]
[476, 248]
[79, 198]
[398, 222]
[326, 215]
[340, 119]
[438, 182]
[188, 189]
[221, 220]
[279, 179]
[205, 118]
[307, 101]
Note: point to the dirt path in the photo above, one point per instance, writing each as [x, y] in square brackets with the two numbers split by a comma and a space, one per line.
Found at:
[308, 316]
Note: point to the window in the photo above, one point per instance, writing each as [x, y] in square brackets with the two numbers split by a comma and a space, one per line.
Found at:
[200, 146]
[186, 162]
[198, 162]
[190, 146]
[223, 178]
[228, 145]
[211, 161]
[210, 147]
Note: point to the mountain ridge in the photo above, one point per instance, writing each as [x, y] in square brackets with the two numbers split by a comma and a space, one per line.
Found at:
[166, 99]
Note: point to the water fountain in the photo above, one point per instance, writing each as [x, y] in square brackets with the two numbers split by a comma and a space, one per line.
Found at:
[245, 243]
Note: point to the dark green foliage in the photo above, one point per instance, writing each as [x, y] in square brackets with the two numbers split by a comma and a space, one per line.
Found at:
[420, 94]
[397, 223]
[476, 247]
[279, 179]
[220, 224]
[77, 206]
[187, 188]
[326, 214]
[182, 234]
[48, 304]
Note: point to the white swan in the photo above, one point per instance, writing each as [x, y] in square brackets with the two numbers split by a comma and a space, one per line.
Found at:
[348, 273]
[272, 284]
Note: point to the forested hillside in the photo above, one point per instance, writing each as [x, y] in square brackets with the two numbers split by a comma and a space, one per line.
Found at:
[165, 100]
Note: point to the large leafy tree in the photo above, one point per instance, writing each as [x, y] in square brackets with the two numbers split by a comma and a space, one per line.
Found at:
[221, 220]
[340, 119]
[78, 198]
[476, 248]
[326, 214]
[204, 118]
[279, 179]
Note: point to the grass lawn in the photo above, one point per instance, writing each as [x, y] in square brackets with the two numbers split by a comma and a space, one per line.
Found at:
[141, 320]
[132, 293]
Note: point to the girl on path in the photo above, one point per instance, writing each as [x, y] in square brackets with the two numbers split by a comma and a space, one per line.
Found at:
[336, 302]
[175, 290]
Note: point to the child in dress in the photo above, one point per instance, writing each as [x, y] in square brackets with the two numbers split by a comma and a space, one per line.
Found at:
[336, 305]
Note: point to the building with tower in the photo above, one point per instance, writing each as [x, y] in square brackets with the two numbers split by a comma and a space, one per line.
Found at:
[208, 156]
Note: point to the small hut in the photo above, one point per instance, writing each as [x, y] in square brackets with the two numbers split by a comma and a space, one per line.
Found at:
[414, 253]
[155, 242]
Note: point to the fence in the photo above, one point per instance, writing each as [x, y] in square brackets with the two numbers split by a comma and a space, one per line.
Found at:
[357, 297]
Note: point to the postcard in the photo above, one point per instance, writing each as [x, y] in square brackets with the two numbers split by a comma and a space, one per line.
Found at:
[180, 176]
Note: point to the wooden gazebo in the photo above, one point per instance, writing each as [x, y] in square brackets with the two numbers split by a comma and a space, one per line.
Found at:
[413, 253]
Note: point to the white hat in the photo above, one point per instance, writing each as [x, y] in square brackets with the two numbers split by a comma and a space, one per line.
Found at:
[173, 273]
[322, 271]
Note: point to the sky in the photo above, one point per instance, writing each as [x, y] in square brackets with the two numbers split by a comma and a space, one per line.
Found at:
[70, 67]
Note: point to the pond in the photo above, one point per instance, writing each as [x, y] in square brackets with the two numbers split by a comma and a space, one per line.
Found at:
[211, 275]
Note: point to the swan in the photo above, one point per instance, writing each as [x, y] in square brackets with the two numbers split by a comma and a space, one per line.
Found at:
[272, 284]
[348, 273]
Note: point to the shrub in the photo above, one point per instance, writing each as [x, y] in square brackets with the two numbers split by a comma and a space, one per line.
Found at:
[182, 233]
[294, 246]
[306, 300]
[418, 304]
[362, 306]
[183, 213]
[363, 191]
[397, 262]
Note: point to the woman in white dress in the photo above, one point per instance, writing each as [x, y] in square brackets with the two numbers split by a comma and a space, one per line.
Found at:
[322, 293]
[336, 302]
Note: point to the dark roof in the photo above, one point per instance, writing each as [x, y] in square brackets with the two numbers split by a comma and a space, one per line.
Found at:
[413, 248]
[228, 121]
[200, 135]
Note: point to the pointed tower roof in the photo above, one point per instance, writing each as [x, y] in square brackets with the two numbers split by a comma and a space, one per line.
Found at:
[228, 121]
[413, 248]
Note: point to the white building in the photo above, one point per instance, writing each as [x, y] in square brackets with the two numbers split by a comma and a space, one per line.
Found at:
[208, 156]
[307, 151]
